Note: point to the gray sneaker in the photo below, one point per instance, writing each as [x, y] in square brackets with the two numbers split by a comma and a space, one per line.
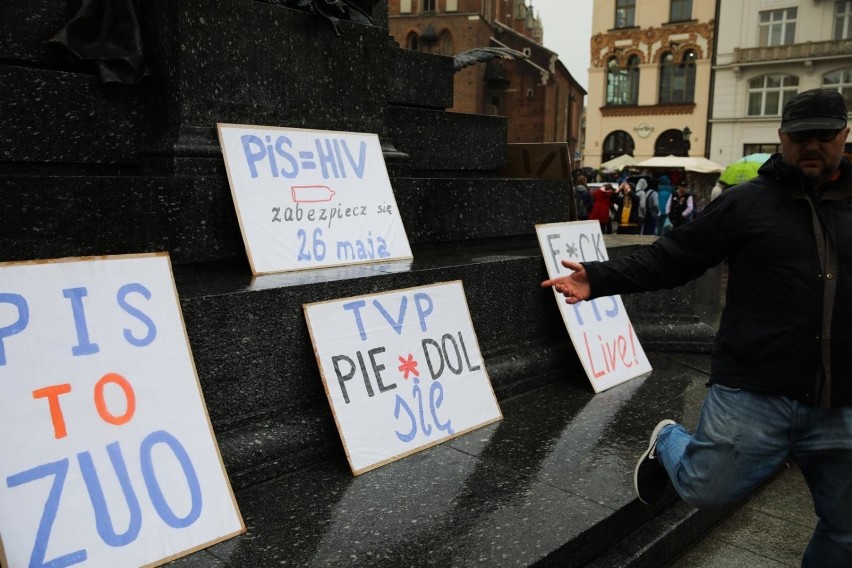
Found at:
[650, 478]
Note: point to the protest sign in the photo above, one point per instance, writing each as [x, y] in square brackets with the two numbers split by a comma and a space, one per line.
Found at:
[600, 329]
[311, 198]
[402, 371]
[107, 457]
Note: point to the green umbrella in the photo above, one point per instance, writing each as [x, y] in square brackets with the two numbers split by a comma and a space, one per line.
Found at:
[743, 169]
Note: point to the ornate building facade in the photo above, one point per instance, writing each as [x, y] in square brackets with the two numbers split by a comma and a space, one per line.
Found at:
[649, 79]
[540, 99]
[767, 52]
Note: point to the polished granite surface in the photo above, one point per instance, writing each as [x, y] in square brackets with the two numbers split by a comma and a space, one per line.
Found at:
[551, 482]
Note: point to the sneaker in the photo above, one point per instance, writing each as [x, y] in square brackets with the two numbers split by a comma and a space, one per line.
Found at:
[650, 478]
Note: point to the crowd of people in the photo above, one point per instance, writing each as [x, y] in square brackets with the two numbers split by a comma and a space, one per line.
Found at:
[638, 205]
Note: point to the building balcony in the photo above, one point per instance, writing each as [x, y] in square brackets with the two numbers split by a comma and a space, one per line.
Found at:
[794, 52]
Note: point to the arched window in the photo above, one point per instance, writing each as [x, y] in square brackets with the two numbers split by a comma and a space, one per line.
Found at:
[842, 81]
[677, 78]
[671, 143]
[445, 43]
[411, 41]
[617, 143]
[768, 93]
[622, 84]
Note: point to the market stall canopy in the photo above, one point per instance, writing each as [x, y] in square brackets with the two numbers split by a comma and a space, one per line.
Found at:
[689, 163]
[619, 162]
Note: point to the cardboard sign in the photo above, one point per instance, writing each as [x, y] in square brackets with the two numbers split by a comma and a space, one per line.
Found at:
[600, 329]
[311, 198]
[402, 371]
[107, 457]
[548, 160]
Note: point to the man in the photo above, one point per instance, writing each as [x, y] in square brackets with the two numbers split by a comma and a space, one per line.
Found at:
[681, 205]
[781, 372]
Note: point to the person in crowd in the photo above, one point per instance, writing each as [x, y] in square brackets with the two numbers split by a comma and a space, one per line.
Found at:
[781, 372]
[602, 208]
[649, 208]
[681, 205]
[639, 189]
[664, 192]
[583, 198]
[627, 205]
[718, 189]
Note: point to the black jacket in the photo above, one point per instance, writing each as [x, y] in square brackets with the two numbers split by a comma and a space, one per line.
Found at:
[786, 328]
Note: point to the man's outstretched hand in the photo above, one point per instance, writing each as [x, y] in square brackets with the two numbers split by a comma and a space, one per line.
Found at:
[575, 286]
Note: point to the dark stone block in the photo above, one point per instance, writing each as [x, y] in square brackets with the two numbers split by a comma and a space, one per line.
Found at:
[455, 209]
[420, 79]
[194, 219]
[256, 362]
[549, 485]
[437, 508]
[56, 116]
[439, 140]
[256, 63]
[668, 318]
[58, 216]
[26, 26]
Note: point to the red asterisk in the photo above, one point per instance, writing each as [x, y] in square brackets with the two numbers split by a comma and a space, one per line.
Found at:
[408, 366]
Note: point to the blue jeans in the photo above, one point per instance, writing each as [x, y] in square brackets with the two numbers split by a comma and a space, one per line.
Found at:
[742, 438]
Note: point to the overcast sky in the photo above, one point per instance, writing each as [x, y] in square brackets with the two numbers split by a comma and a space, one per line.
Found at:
[568, 32]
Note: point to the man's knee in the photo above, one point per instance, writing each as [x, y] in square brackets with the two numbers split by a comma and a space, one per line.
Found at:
[710, 493]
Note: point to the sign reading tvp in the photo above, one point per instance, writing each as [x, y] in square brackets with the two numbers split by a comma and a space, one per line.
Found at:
[107, 457]
[402, 371]
[310, 198]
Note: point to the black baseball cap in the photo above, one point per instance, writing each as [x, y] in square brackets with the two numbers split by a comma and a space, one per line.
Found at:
[817, 109]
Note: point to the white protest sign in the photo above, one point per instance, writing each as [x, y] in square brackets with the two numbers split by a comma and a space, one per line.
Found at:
[107, 457]
[600, 329]
[311, 198]
[402, 371]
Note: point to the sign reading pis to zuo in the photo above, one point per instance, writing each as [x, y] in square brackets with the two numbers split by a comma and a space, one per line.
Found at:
[311, 198]
[402, 371]
[107, 457]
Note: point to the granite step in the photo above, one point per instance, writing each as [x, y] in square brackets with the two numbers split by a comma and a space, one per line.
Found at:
[438, 140]
[258, 371]
[549, 485]
[193, 217]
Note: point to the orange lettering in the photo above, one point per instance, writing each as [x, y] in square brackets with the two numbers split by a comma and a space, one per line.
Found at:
[129, 395]
[52, 396]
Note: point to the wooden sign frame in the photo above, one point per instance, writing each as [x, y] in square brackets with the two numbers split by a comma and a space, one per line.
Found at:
[600, 329]
[108, 454]
[361, 341]
[311, 198]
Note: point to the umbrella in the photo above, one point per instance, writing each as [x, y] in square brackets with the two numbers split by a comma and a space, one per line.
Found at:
[689, 163]
[619, 162]
[743, 169]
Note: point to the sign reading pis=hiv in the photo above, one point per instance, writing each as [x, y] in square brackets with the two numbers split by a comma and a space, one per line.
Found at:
[310, 198]
[600, 329]
[402, 371]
